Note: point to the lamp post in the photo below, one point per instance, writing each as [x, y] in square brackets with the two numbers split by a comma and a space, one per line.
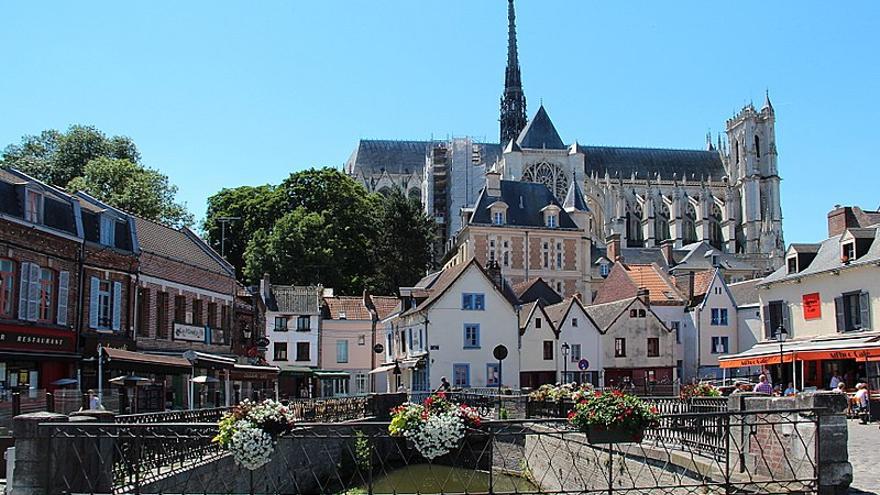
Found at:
[565, 349]
[781, 337]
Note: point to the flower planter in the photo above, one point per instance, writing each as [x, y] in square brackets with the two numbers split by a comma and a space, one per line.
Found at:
[599, 435]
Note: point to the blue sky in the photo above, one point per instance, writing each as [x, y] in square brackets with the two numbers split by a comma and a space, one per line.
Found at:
[219, 94]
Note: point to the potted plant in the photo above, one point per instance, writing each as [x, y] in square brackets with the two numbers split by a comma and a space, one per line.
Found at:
[699, 390]
[435, 427]
[613, 417]
[250, 430]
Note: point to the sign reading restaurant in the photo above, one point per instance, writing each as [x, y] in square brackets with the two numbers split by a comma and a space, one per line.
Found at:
[25, 338]
[191, 333]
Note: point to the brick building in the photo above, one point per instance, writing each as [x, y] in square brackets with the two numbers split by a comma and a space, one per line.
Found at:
[40, 249]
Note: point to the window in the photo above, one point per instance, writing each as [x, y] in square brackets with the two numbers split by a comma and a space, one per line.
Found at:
[619, 347]
[853, 311]
[653, 347]
[302, 351]
[108, 231]
[212, 315]
[461, 375]
[574, 322]
[537, 322]
[303, 323]
[559, 255]
[224, 317]
[719, 316]
[7, 282]
[362, 339]
[104, 305]
[757, 146]
[575, 353]
[360, 383]
[776, 316]
[342, 351]
[637, 313]
[180, 309]
[559, 287]
[719, 345]
[604, 269]
[47, 295]
[548, 350]
[546, 255]
[675, 326]
[849, 252]
[471, 336]
[143, 310]
[162, 315]
[642, 313]
[498, 218]
[506, 253]
[280, 351]
[792, 264]
[280, 324]
[552, 221]
[473, 302]
[492, 250]
[420, 380]
[197, 312]
[33, 211]
[492, 375]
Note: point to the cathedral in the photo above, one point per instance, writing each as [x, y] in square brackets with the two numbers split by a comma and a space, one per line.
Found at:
[726, 194]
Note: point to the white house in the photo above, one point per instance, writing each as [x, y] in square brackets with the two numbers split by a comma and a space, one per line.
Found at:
[539, 346]
[292, 319]
[448, 325]
[579, 332]
[715, 321]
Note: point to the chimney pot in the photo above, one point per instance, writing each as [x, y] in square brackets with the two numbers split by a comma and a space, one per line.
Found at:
[612, 245]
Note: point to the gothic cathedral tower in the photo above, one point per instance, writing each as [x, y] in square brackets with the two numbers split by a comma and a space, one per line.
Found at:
[753, 172]
[513, 101]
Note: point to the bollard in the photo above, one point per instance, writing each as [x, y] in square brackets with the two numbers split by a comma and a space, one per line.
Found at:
[35, 464]
[16, 404]
[50, 402]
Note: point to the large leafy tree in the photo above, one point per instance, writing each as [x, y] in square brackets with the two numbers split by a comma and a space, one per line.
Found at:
[403, 243]
[133, 188]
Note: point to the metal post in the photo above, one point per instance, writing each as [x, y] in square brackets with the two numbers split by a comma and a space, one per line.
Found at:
[500, 403]
[192, 390]
[100, 373]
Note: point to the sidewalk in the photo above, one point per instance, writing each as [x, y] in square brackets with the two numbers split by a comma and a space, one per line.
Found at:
[864, 455]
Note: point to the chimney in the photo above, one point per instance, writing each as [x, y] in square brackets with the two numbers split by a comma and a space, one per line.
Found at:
[690, 286]
[645, 295]
[493, 183]
[612, 244]
[840, 219]
[494, 271]
[666, 248]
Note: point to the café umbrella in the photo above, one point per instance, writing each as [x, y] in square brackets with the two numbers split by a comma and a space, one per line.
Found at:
[130, 380]
[205, 379]
[63, 382]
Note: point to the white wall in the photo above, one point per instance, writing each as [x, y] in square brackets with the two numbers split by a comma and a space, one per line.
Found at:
[532, 350]
[717, 297]
[587, 335]
[292, 337]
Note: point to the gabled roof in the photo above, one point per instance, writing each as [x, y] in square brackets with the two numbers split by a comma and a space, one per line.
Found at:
[560, 311]
[447, 278]
[604, 315]
[804, 248]
[528, 311]
[714, 275]
[695, 258]
[402, 157]
[626, 279]
[345, 307]
[385, 305]
[828, 258]
[179, 245]
[745, 293]
[574, 198]
[525, 200]
[702, 282]
[540, 133]
[294, 299]
[534, 289]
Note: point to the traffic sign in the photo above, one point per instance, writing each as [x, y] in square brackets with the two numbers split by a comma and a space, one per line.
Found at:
[500, 352]
[583, 365]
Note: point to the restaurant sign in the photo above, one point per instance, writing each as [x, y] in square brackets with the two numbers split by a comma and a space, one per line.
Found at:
[191, 333]
[22, 338]
[812, 306]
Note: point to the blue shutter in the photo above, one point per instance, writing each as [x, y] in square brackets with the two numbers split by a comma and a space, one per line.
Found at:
[865, 310]
[23, 291]
[93, 302]
[34, 289]
[63, 291]
[117, 306]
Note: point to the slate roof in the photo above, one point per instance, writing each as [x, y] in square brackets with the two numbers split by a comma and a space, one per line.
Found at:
[603, 315]
[695, 259]
[525, 313]
[351, 307]
[633, 255]
[58, 211]
[540, 133]
[374, 156]
[557, 312]
[828, 258]
[293, 299]
[524, 203]
[180, 245]
[805, 248]
[745, 293]
[648, 162]
[574, 198]
[533, 289]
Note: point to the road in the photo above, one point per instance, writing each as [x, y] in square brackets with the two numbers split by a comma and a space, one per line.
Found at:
[864, 455]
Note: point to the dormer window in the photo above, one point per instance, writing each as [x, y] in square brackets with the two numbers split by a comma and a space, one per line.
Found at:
[604, 269]
[497, 217]
[498, 213]
[848, 252]
[552, 220]
[792, 265]
[33, 211]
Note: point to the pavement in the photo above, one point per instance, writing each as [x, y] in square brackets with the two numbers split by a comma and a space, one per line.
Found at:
[864, 455]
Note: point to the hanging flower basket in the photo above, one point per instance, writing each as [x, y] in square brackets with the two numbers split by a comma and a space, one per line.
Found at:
[435, 427]
[250, 430]
[613, 417]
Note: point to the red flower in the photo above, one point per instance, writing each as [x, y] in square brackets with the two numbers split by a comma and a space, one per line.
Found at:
[429, 401]
[654, 410]
[442, 395]
[597, 393]
[571, 414]
[617, 393]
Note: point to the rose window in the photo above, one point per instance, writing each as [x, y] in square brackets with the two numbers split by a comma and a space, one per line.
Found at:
[550, 175]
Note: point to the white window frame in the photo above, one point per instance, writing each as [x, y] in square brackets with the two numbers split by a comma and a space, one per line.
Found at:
[28, 214]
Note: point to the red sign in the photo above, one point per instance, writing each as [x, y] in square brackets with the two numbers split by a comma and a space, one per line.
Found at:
[812, 306]
[36, 339]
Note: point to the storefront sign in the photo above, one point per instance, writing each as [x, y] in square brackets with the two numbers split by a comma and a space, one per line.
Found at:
[812, 306]
[21, 338]
[755, 361]
[191, 333]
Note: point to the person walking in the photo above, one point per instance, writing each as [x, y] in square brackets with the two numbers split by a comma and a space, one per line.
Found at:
[862, 397]
[444, 385]
[835, 381]
[763, 386]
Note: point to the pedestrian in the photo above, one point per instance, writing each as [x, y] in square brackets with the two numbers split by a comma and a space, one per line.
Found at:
[741, 387]
[790, 390]
[444, 385]
[763, 386]
[94, 401]
[862, 397]
[841, 388]
[835, 381]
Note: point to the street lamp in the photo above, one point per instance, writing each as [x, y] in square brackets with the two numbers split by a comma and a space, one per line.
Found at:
[565, 349]
[781, 337]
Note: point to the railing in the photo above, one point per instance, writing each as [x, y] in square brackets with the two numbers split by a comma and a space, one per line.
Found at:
[333, 408]
[766, 452]
[207, 415]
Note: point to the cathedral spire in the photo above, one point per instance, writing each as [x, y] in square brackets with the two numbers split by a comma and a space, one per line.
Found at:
[513, 101]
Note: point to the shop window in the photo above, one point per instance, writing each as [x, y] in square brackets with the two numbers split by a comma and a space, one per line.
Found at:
[619, 347]
[548, 350]
[303, 351]
[280, 351]
[162, 315]
[7, 283]
[653, 347]
[853, 311]
[303, 323]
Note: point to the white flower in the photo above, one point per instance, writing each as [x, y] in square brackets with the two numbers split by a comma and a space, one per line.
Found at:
[438, 435]
[251, 447]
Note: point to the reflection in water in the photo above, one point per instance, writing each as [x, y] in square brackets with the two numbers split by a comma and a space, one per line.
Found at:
[427, 478]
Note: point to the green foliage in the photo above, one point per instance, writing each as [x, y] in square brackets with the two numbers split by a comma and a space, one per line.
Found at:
[613, 410]
[131, 187]
[109, 168]
[362, 451]
[321, 226]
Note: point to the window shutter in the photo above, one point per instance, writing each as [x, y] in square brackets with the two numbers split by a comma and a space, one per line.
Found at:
[768, 332]
[34, 292]
[117, 306]
[63, 281]
[786, 319]
[95, 284]
[23, 290]
[865, 310]
[838, 310]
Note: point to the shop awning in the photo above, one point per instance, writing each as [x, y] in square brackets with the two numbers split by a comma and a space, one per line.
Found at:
[859, 348]
[123, 357]
[296, 369]
[245, 372]
[331, 374]
[206, 360]
[382, 369]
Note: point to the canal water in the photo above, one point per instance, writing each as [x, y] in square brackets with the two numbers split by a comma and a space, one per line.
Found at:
[427, 478]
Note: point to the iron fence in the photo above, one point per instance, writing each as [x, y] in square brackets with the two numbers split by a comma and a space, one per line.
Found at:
[764, 452]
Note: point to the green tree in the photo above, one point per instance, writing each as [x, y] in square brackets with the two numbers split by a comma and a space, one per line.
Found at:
[131, 187]
[403, 243]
